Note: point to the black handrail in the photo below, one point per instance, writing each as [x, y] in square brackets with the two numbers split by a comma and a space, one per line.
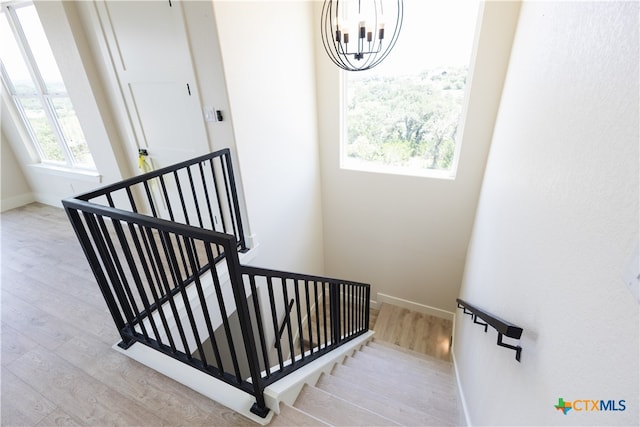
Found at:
[156, 248]
[503, 327]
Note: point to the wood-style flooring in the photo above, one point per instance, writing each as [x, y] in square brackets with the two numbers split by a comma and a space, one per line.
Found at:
[58, 367]
[419, 332]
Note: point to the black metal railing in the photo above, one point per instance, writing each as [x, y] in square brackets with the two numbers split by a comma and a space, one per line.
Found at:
[164, 248]
[503, 327]
[325, 313]
[200, 192]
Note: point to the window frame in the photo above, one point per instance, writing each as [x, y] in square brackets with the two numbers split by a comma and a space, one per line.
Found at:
[372, 167]
[42, 93]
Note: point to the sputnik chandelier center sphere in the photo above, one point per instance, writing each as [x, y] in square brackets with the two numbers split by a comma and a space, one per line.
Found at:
[359, 34]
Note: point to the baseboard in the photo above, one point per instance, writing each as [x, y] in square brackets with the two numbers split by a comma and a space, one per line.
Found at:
[47, 199]
[414, 306]
[460, 393]
[374, 304]
[9, 203]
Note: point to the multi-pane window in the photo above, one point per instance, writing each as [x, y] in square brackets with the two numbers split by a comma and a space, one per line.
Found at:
[32, 78]
[403, 115]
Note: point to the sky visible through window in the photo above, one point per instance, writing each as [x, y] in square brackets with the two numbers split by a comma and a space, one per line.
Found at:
[402, 116]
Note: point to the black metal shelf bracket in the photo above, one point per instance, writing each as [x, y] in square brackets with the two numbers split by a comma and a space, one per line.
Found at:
[517, 348]
[475, 320]
[503, 327]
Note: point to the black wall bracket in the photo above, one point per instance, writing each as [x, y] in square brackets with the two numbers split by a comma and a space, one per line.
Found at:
[503, 327]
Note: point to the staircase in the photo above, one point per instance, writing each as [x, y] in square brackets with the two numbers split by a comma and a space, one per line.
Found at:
[378, 385]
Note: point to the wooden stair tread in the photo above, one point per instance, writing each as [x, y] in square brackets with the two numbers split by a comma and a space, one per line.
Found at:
[290, 416]
[412, 372]
[406, 353]
[396, 410]
[431, 366]
[399, 376]
[336, 411]
[420, 332]
[421, 398]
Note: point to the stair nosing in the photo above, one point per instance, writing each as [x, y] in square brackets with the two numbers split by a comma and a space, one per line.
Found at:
[392, 422]
[416, 411]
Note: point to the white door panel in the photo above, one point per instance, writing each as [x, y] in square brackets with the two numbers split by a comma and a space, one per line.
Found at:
[163, 112]
[148, 45]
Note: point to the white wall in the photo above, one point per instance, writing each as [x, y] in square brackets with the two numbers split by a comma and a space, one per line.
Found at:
[557, 223]
[268, 58]
[14, 188]
[405, 235]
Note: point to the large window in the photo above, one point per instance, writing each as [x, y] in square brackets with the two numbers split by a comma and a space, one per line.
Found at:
[32, 78]
[404, 115]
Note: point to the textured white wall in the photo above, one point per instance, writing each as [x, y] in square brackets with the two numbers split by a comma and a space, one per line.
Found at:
[557, 222]
[407, 235]
[267, 53]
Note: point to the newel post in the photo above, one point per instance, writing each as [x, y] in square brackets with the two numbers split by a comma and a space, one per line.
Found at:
[235, 274]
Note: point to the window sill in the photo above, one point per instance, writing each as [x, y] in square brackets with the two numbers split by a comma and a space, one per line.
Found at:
[397, 170]
[77, 174]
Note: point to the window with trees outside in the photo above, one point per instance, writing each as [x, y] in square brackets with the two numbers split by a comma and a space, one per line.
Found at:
[404, 115]
[32, 78]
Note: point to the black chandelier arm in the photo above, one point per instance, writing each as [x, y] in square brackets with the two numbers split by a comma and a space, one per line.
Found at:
[336, 41]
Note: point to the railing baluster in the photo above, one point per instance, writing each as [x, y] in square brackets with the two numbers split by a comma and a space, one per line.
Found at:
[150, 199]
[167, 247]
[181, 195]
[165, 195]
[217, 191]
[195, 197]
[194, 327]
[274, 319]
[131, 201]
[299, 317]
[225, 323]
[326, 311]
[367, 296]
[212, 336]
[163, 281]
[360, 309]
[287, 317]
[308, 306]
[156, 291]
[258, 313]
[206, 195]
[334, 312]
[351, 319]
[225, 171]
[318, 319]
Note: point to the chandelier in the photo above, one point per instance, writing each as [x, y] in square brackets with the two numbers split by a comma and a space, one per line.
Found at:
[359, 34]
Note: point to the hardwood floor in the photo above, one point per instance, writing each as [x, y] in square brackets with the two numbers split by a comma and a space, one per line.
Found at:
[57, 365]
[419, 332]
